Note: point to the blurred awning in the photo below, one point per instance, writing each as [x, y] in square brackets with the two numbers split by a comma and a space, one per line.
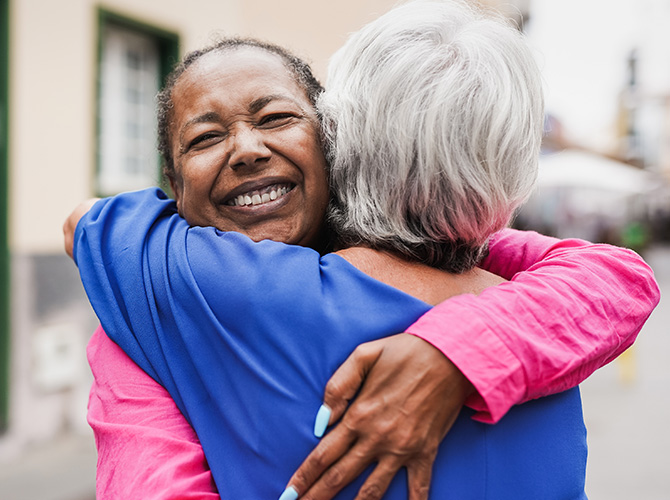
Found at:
[579, 169]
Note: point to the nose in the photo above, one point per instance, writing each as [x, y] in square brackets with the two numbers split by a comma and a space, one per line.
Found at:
[248, 148]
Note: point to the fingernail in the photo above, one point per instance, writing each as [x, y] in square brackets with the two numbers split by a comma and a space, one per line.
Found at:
[321, 422]
[290, 493]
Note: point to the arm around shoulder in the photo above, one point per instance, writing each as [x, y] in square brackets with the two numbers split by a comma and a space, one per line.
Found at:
[570, 307]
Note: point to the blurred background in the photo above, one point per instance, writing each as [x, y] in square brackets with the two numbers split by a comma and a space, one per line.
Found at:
[77, 83]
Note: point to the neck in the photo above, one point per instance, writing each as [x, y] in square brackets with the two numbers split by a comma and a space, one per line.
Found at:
[414, 278]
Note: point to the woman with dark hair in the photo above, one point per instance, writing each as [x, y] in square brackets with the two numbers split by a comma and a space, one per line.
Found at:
[244, 335]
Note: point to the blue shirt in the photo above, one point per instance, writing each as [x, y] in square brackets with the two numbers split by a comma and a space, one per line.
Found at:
[245, 336]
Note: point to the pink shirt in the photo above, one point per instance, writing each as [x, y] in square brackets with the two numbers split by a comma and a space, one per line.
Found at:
[146, 448]
[576, 308]
[570, 307]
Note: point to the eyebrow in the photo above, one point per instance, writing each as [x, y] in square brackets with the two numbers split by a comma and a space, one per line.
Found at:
[254, 107]
[258, 104]
[210, 116]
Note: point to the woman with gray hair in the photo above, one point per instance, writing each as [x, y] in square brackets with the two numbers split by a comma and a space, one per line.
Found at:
[247, 382]
[433, 116]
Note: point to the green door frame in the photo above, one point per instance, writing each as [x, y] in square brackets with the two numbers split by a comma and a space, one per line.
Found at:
[168, 47]
[4, 214]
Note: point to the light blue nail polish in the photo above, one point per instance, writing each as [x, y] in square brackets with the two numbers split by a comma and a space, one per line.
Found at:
[289, 494]
[321, 422]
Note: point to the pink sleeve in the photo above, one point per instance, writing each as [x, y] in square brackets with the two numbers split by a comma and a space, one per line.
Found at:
[146, 448]
[570, 308]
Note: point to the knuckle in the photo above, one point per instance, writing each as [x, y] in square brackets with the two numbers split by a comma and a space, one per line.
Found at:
[364, 354]
[299, 479]
[371, 410]
[356, 422]
[318, 461]
[396, 441]
[407, 442]
[359, 411]
[334, 478]
[428, 452]
[335, 389]
[419, 491]
[393, 430]
[371, 492]
[360, 351]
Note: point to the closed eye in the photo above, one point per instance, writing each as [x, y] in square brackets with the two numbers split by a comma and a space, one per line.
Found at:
[275, 119]
[203, 138]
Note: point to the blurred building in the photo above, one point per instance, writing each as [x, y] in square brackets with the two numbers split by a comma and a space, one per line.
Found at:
[77, 86]
[608, 101]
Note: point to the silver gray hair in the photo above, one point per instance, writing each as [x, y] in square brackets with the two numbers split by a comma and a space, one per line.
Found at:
[433, 121]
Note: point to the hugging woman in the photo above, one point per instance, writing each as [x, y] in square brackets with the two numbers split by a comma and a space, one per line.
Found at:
[432, 121]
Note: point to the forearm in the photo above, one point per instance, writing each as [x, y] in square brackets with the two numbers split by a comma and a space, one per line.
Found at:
[575, 307]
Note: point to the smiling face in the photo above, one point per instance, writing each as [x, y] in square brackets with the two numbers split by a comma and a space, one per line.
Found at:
[245, 140]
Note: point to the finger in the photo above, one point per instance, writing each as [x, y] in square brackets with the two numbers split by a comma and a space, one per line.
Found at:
[73, 219]
[418, 479]
[378, 482]
[347, 379]
[328, 451]
[340, 474]
[68, 239]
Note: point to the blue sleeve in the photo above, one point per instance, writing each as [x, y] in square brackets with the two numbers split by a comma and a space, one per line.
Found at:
[192, 306]
[168, 309]
[107, 275]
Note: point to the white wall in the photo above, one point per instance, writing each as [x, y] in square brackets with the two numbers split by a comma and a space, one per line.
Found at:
[51, 123]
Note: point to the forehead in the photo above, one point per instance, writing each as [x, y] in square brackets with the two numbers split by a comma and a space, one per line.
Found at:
[242, 72]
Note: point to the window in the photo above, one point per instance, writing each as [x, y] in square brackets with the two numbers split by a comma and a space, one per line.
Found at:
[131, 70]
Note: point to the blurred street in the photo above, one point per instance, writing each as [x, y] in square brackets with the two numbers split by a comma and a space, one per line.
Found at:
[626, 407]
[61, 470]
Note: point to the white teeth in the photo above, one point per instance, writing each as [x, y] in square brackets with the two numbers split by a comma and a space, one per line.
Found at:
[256, 198]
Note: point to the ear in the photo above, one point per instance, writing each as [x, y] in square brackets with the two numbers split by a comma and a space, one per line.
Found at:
[176, 186]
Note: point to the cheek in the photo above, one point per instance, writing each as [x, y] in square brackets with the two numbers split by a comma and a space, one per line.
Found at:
[322, 192]
[317, 202]
[319, 182]
[198, 173]
[314, 163]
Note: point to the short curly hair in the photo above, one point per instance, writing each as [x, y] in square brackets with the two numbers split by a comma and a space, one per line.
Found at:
[301, 71]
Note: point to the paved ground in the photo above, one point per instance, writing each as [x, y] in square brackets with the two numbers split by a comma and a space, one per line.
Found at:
[626, 408]
[61, 470]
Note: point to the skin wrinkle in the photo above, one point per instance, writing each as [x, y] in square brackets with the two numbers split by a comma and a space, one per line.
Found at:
[300, 71]
[204, 118]
[245, 123]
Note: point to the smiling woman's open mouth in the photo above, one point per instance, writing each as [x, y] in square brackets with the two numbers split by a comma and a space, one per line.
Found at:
[260, 196]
